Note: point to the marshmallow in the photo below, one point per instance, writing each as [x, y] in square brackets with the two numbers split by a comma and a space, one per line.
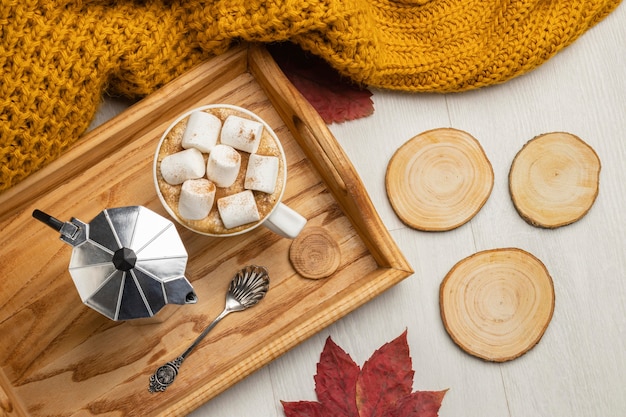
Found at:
[196, 198]
[202, 131]
[223, 165]
[261, 173]
[238, 209]
[181, 166]
[242, 134]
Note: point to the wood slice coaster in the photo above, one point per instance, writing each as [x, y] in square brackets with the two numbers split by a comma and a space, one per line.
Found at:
[497, 304]
[554, 180]
[439, 180]
[314, 253]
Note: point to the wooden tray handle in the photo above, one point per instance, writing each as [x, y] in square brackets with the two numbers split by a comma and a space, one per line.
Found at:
[322, 150]
[299, 116]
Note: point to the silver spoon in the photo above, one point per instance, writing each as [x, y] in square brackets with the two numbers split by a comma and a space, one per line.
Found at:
[246, 289]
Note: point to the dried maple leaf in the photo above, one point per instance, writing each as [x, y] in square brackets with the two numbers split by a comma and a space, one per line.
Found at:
[336, 379]
[419, 403]
[381, 388]
[386, 378]
[335, 98]
[305, 409]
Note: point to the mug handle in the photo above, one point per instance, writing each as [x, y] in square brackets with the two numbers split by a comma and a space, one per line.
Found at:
[285, 221]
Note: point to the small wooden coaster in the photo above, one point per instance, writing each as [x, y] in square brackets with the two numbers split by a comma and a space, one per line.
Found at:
[497, 304]
[439, 180]
[554, 180]
[314, 253]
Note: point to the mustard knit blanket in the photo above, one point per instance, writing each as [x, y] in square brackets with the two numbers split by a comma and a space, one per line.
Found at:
[57, 57]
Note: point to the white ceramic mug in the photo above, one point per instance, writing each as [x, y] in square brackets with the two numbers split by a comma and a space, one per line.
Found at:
[281, 219]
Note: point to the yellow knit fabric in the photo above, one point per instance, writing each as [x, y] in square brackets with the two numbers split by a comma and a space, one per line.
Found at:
[57, 57]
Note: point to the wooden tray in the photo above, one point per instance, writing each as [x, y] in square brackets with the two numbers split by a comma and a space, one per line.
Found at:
[58, 357]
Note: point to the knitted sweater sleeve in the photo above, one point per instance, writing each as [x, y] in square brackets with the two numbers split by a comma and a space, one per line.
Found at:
[57, 57]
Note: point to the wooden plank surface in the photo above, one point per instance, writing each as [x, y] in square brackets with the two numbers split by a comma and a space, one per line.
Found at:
[58, 357]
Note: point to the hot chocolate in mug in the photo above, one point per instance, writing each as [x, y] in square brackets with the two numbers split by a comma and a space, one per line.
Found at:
[220, 170]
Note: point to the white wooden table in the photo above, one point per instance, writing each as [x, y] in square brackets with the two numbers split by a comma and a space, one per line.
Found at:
[578, 369]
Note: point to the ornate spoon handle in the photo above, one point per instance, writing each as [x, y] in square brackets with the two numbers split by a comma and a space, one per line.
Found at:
[246, 289]
[165, 374]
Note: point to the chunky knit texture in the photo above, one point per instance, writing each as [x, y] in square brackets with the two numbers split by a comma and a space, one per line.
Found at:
[57, 57]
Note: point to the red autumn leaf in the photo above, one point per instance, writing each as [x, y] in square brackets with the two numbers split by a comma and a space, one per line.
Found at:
[419, 403]
[385, 378]
[335, 98]
[381, 388]
[304, 409]
[335, 382]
